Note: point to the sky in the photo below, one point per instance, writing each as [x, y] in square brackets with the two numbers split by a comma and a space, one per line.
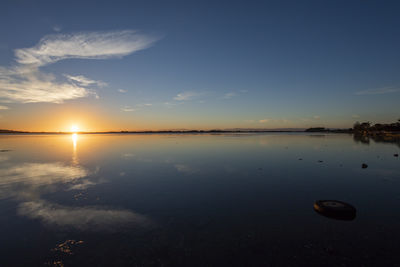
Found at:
[158, 65]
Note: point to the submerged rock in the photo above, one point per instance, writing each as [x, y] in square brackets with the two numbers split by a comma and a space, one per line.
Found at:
[396, 155]
[364, 166]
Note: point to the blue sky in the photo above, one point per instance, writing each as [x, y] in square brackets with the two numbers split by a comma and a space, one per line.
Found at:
[126, 65]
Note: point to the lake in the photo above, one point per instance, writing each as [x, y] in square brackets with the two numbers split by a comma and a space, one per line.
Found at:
[197, 200]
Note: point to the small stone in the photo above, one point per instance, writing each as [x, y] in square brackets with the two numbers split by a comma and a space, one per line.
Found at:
[320, 161]
[396, 155]
[364, 166]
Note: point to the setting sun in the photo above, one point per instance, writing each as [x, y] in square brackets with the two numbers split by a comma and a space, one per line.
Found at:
[74, 128]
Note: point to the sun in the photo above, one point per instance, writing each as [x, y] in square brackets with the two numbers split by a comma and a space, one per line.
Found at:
[74, 128]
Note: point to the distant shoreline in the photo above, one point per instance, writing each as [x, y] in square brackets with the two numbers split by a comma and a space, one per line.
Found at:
[179, 132]
[363, 129]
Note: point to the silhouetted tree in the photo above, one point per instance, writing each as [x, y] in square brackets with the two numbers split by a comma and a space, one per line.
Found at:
[356, 126]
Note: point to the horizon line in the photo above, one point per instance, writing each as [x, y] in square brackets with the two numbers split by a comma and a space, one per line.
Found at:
[232, 130]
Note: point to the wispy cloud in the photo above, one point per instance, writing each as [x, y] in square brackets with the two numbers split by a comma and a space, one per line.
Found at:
[379, 91]
[3, 107]
[33, 86]
[84, 81]
[25, 83]
[229, 95]
[89, 45]
[136, 107]
[316, 117]
[144, 105]
[57, 28]
[128, 109]
[169, 104]
[188, 95]
[122, 91]
[273, 121]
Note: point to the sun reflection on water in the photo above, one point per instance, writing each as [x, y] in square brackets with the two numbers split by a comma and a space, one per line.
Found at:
[74, 137]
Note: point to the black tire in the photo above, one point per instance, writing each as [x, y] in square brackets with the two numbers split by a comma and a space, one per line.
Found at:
[335, 209]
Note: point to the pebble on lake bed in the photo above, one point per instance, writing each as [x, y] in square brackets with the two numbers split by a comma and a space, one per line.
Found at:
[396, 155]
[364, 166]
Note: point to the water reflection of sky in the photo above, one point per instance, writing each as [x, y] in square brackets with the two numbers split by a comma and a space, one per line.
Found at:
[196, 188]
[27, 182]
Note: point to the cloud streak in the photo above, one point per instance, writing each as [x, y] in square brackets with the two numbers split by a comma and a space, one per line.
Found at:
[271, 121]
[185, 96]
[90, 45]
[84, 81]
[229, 95]
[379, 91]
[128, 109]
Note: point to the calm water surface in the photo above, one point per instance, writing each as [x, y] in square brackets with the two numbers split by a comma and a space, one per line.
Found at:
[196, 200]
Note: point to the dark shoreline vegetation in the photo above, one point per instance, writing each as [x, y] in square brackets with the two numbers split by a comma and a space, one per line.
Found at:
[379, 133]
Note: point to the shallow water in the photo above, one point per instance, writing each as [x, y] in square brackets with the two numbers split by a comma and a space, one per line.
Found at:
[196, 200]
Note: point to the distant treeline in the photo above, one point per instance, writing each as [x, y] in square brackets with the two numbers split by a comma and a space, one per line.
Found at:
[362, 128]
[367, 127]
[10, 131]
[379, 133]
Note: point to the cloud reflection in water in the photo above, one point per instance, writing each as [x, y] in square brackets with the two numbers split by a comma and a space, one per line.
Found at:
[30, 180]
[27, 182]
[82, 218]
[41, 173]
